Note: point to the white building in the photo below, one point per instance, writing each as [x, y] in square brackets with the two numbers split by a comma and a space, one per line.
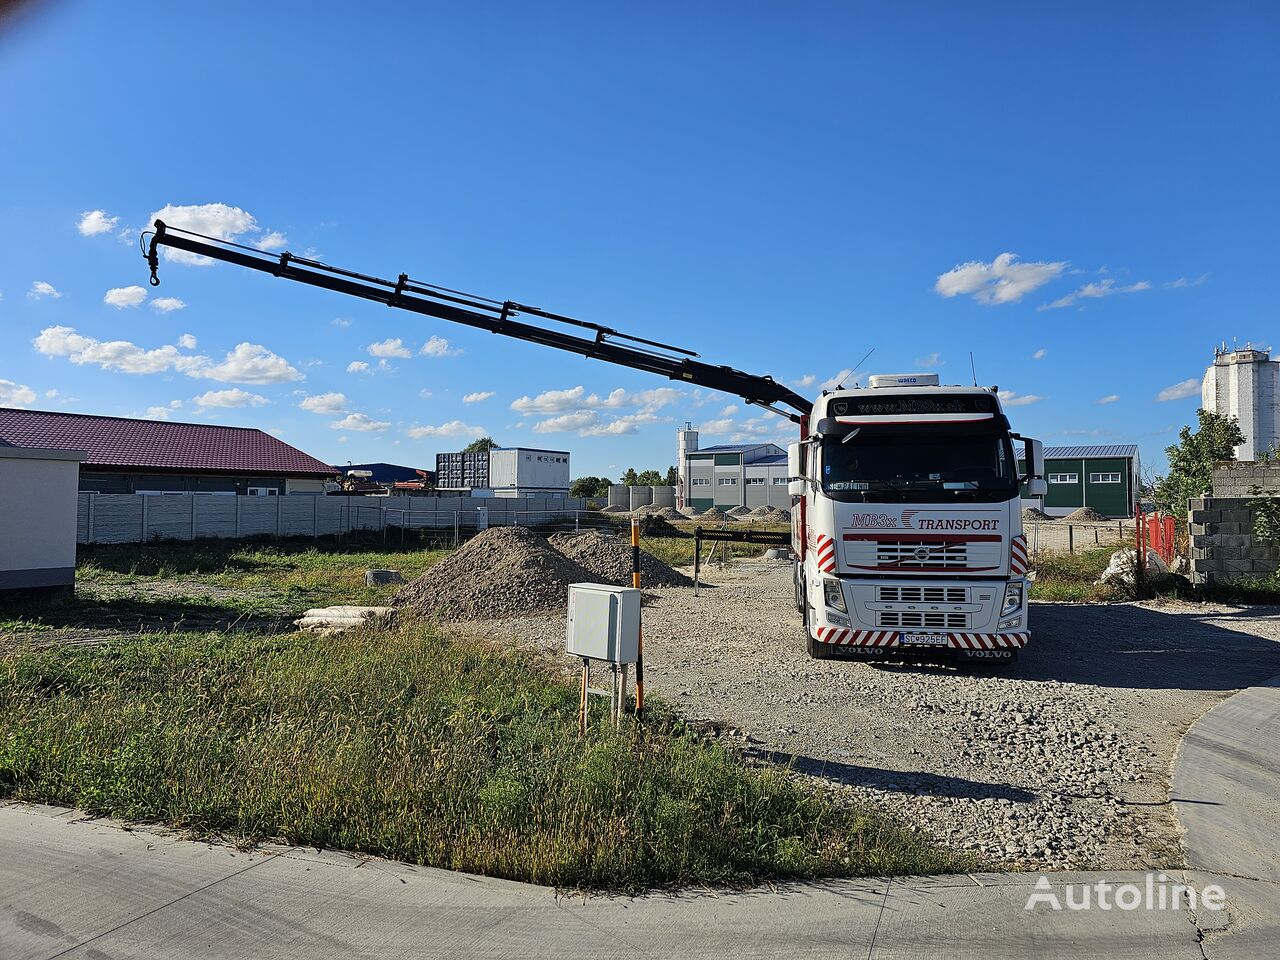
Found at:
[730, 474]
[526, 472]
[1242, 383]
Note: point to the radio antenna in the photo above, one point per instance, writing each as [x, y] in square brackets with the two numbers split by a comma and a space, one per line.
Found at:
[840, 385]
[973, 369]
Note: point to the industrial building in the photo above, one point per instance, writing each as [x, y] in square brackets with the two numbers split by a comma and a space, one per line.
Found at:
[124, 455]
[505, 472]
[1242, 383]
[1104, 477]
[730, 475]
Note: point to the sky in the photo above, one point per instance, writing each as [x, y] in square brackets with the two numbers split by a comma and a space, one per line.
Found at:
[1083, 197]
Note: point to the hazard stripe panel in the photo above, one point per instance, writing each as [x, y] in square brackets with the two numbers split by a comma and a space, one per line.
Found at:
[843, 636]
[1018, 564]
[826, 554]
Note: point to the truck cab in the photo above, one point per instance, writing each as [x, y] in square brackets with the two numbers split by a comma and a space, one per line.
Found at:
[908, 527]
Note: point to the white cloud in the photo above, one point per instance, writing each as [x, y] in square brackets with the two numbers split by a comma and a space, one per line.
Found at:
[808, 380]
[1095, 291]
[94, 222]
[717, 427]
[567, 422]
[391, 347]
[1184, 282]
[42, 289]
[1109, 398]
[1003, 280]
[216, 220]
[357, 366]
[929, 360]
[838, 379]
[187, 341]
[620, 426]
[1040, 354]
[51, 394]
[1180, 391]
[325, 403]
[15, 394]
[272, 240]
[425, 394]
[1011, 399]
[360, 422]
[551, 401]
[168, 304]
[162, 413]
[454, 428]
[249, 363]
[340, 322]
[234, 397]
[121, 297]
[478, 397]
[342, 439]
[438, 347]
[113, 354]
[729, 411]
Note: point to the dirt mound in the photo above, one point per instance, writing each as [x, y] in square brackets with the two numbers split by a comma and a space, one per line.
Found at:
[739, 511]
[1032, 514]
[608, 558]
[1087, 515]
[668, 513]
[770, 514]
[616, 508]
[713, 514]
[689, 512]
[502, 572]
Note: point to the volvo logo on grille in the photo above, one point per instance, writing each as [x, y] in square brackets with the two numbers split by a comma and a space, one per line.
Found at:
[922, 554]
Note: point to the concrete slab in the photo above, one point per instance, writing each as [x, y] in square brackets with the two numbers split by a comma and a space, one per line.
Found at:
[92, 890]
[1226, 786]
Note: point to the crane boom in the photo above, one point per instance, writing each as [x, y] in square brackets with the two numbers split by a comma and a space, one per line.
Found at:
[496, 316]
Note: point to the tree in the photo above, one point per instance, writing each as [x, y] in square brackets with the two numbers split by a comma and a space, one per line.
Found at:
[671, 479]
[483, 445]
[1193, 457]
[585, 487]
[650, 478]
[631, 478]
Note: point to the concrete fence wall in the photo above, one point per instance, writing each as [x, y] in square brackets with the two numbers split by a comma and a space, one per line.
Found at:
[1233, 480]
[1222, 544]
[135, 518]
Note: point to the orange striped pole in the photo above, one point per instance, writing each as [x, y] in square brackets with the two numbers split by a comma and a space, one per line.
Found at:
[635, 582]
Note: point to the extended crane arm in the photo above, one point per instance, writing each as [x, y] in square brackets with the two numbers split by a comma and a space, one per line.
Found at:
[495, 316]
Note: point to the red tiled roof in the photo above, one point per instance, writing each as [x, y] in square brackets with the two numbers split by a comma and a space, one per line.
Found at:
[157, 444]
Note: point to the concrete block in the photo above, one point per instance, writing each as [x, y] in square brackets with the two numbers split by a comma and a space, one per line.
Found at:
[1231, 528]
[1206, 516]
[1263, 552]
[1202, 565]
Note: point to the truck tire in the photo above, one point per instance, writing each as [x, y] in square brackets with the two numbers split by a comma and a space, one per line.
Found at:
[816, 650]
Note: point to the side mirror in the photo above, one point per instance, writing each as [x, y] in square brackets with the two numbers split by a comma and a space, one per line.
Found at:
[795, 460]
[797, 488]
[1037, 488]
[1033, 452]
[827, 426]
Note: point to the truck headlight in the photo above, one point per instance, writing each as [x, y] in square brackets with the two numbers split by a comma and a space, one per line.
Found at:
[834, 594]
[1012, 598]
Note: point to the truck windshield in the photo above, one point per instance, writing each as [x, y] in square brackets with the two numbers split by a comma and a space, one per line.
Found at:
[920, 464]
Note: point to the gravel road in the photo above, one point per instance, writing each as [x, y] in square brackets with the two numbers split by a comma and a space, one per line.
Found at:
[1061, 761]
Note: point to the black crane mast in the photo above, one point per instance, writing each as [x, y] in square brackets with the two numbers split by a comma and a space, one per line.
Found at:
[674, 363]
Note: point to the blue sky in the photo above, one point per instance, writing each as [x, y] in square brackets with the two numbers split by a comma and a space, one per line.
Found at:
[1086, 198]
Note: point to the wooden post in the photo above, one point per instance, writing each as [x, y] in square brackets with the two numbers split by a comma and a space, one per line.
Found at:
[635, 582]
[582, 700]
[697, 557]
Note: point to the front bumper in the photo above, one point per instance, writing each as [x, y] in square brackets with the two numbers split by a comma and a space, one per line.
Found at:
[893, 639]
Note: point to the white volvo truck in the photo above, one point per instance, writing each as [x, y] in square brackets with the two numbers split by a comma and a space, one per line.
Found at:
[907, 530]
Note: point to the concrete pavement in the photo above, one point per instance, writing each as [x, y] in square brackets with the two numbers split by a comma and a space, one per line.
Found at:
[89, 889]
[1226, 792]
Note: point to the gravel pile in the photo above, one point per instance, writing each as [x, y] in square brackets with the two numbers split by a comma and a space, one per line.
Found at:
[770, 514]
[501, 572]
[1087, 515]
[608, 559]
[613, 509]
[1034, 514]
[739, 511]
[713, 514]
[668, 513]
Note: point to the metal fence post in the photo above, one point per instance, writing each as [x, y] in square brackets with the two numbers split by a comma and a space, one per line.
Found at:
[145, 501]
[1071, 538]
[193, 515]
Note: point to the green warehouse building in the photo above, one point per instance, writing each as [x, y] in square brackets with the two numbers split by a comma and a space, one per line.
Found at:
[1104, 477]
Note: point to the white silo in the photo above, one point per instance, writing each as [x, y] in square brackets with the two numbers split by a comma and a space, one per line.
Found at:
[686, 443]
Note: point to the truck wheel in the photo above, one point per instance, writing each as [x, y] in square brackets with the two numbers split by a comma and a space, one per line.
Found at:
[817, 650]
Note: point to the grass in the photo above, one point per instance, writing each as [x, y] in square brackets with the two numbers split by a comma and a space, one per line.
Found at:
[414, 746]
[1073, 577]
[678, 551]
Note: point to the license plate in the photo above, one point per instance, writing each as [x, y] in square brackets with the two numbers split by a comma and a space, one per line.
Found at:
[924, 639]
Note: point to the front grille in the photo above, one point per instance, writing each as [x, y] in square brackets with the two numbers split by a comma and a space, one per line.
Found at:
[907, 555]
[929, 620]
[922, 594]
